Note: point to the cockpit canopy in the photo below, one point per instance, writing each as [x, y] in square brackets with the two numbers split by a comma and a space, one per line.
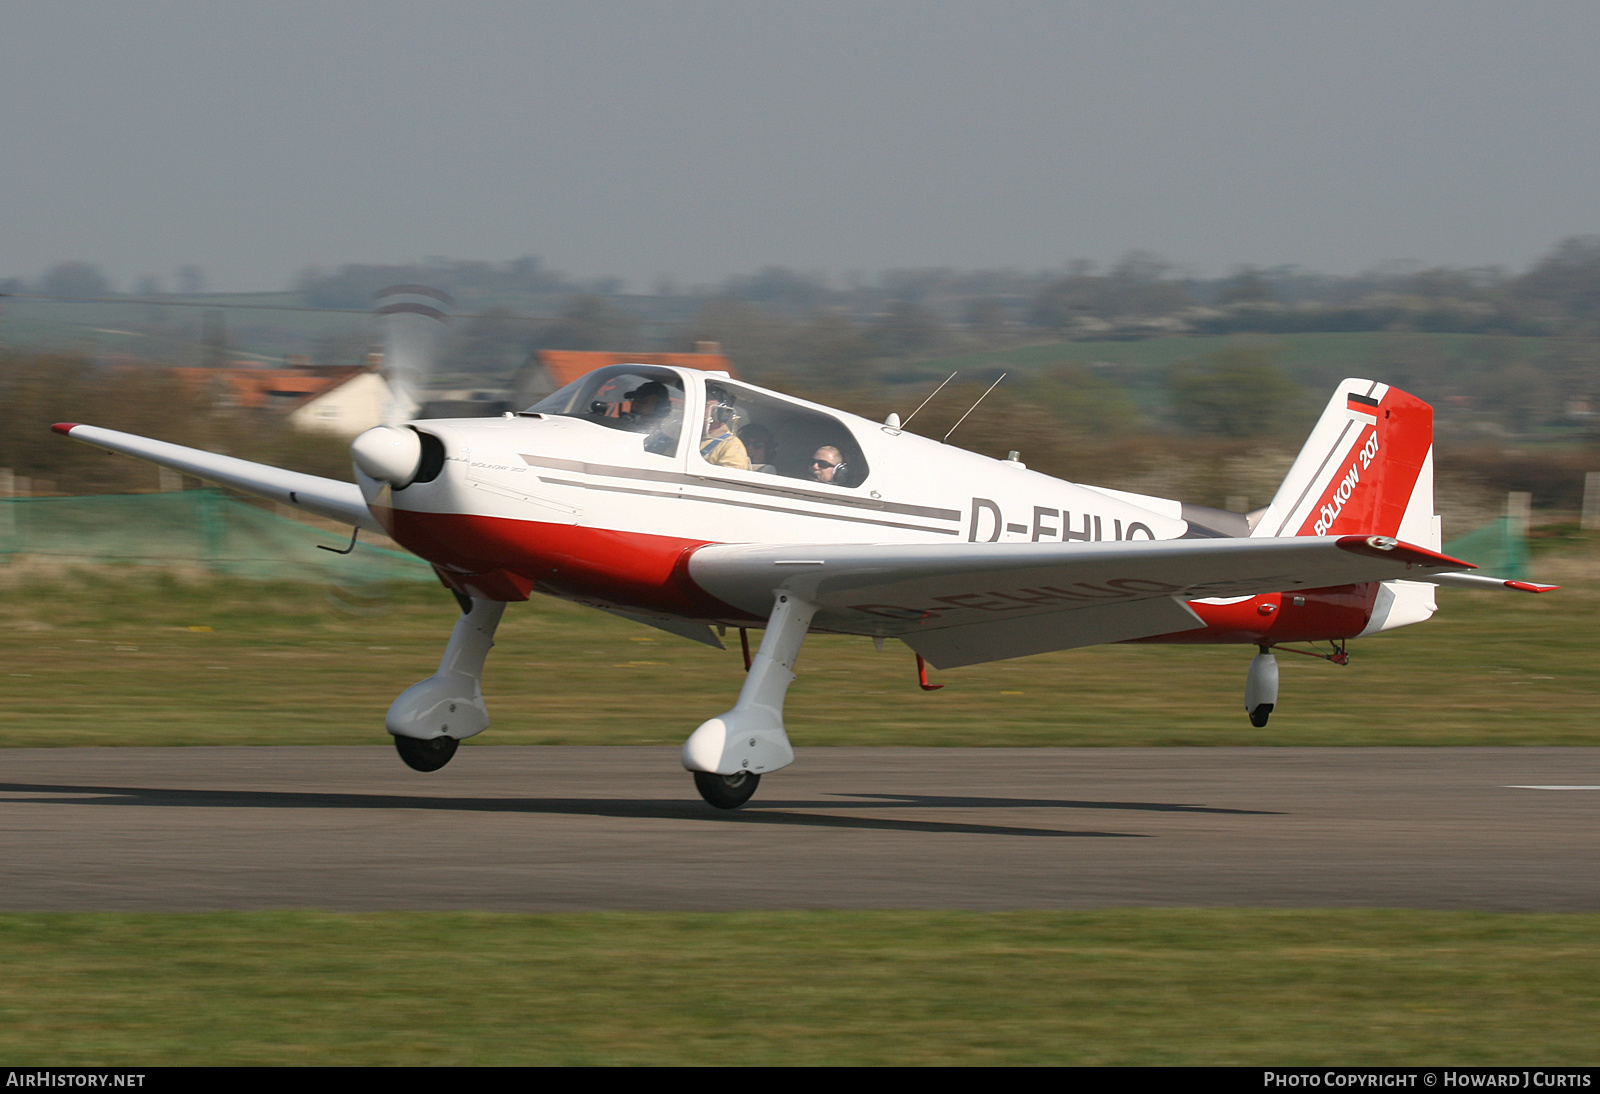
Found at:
[780, 438]
[607, 396]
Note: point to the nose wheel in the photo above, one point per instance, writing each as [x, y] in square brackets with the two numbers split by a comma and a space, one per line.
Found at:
[427, 755]
[726, 791]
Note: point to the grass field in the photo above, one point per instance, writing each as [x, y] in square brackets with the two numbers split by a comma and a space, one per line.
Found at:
[1143, 986]
[145, 659]
[138, 658]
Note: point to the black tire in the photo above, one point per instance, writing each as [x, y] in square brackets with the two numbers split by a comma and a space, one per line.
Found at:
[429, 755]
[726, 791]
[1258, 716]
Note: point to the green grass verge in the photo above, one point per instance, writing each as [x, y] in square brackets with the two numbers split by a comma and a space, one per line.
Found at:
[143, 659]
[1144, 986]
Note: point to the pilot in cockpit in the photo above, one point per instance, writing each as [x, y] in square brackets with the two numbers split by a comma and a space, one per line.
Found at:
[650, 407]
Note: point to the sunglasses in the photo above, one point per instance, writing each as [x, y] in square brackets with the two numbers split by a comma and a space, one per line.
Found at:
[822, 463]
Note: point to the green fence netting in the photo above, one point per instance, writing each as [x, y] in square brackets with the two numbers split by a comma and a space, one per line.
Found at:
[201, 528]
[1499, 548]
[208, 529]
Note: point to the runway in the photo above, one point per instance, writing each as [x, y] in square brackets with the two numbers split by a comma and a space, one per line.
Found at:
[572, 828]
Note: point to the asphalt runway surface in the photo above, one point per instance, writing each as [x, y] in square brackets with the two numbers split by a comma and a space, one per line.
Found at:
[567, 829]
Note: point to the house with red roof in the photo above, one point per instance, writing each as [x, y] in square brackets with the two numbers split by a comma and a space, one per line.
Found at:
[342, 401]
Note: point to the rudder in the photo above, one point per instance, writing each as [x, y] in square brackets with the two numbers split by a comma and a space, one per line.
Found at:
[1366, 469]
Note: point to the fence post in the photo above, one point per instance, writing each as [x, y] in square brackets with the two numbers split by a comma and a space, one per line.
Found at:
[210, 501]
[8, 511]
[1591, 501]
[1519, 509]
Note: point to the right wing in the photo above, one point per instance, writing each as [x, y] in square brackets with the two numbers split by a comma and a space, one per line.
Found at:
[340, 501]
[968, 603]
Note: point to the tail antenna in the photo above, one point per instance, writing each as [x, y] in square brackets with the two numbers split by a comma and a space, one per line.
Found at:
[974, 406]
[926, 401]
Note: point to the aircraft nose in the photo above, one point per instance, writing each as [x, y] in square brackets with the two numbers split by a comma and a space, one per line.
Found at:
[391, 454]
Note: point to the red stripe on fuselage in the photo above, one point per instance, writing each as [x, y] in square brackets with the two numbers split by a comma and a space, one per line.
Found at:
[629, 569]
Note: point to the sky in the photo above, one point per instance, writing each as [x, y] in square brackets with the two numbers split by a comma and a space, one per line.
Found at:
[699, 139]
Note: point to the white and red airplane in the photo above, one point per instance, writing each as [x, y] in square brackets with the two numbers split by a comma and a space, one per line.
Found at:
[622, 491]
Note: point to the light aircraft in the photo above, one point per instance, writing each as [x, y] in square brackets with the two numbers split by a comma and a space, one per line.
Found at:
[621, 491]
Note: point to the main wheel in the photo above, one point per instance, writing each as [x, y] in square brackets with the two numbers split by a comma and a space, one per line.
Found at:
[726, 791]
[1258, 716]
[429, 755]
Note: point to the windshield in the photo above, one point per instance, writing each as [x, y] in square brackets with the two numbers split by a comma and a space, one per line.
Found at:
[636, 398]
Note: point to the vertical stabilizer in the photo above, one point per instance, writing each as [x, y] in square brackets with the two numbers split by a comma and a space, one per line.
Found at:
[1366, 469]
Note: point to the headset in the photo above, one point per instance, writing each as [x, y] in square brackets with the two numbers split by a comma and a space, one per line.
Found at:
[724, 411]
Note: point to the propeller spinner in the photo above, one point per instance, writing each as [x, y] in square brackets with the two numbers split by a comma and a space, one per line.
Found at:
[391, 454]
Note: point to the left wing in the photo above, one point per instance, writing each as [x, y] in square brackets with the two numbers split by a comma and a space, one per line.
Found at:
[967, 603]
[340, 501]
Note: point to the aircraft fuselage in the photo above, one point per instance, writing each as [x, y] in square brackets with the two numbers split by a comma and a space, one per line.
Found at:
[576, 506]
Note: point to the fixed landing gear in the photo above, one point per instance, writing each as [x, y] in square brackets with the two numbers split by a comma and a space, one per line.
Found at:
[729, 753]
[1261, 687]
[429, 755]
[429, 718]
[726, 791]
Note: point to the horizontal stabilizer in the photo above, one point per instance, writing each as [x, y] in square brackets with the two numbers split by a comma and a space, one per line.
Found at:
[1483, 581]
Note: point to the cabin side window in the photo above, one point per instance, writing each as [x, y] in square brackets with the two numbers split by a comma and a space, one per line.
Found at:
[742, 429]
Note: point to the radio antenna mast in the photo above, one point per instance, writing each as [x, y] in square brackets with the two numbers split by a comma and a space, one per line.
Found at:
[926, 401]
[974, 406]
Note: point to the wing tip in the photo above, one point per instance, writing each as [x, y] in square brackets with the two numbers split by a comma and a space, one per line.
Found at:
[1389, 547]
[65, 428]
[1531, 587]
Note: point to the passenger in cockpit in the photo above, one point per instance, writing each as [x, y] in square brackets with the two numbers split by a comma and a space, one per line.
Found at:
[827, 465]
[761, 448]
[719, 445]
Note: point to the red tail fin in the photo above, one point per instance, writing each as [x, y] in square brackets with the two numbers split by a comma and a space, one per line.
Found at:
[1367, 468]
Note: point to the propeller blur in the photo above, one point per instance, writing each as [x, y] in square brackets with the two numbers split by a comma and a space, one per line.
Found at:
[414, 318]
